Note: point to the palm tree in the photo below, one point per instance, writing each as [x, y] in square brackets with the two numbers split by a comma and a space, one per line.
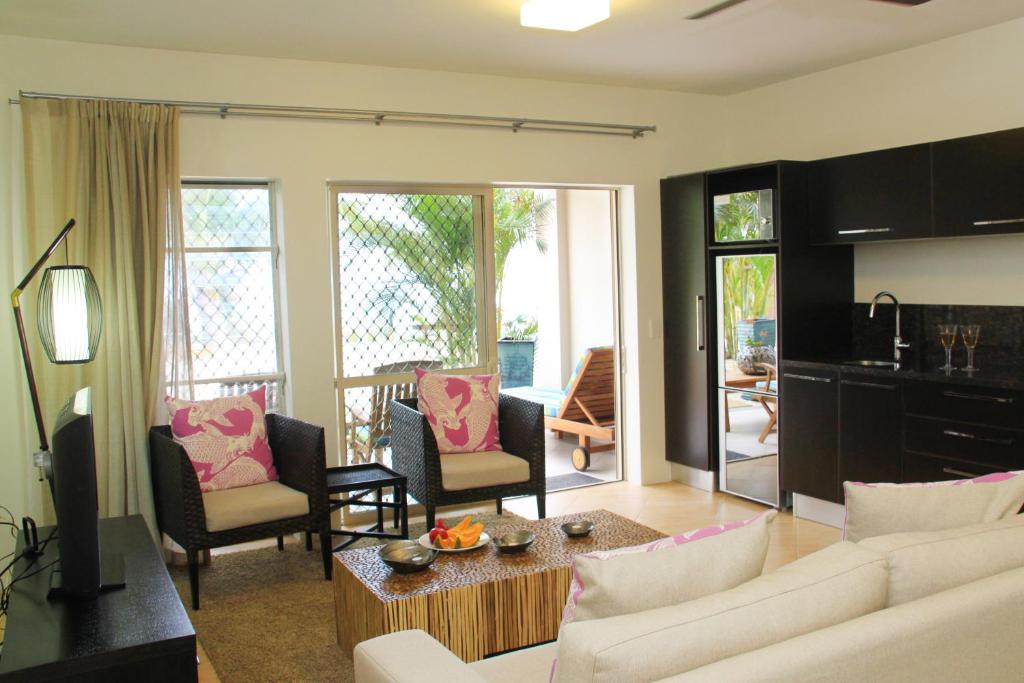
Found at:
[434, 241]
[519, 218]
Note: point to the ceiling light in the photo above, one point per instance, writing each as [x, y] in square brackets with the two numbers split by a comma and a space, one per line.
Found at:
[564, 15]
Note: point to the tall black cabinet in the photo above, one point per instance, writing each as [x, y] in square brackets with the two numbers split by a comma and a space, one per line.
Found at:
[814, 291]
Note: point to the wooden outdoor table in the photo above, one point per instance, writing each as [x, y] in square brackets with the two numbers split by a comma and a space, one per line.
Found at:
[476, 603]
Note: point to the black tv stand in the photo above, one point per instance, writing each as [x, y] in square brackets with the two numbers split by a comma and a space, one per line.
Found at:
[137, 633]
[111, 577]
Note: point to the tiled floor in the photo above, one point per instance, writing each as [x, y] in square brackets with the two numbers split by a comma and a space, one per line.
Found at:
[670, 508]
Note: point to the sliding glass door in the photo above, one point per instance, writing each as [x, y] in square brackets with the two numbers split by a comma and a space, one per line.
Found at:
[413, 282]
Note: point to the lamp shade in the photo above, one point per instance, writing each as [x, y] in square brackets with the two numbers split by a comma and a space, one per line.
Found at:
[69, 314]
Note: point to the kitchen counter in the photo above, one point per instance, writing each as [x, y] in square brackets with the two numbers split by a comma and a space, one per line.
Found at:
[990, 375]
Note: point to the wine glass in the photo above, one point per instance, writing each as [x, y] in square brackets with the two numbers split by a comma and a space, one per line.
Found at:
[971, 334]
[947, 334]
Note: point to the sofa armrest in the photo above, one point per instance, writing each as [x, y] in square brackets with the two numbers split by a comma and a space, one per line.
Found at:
[521, 429]
[409, 656]
[178, 500]
[414, 450]
[300, 457]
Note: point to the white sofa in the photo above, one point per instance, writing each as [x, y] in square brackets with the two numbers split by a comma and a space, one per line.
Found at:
[934, 606]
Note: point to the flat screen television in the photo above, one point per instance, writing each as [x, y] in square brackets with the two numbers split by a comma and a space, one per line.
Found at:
[72, 475]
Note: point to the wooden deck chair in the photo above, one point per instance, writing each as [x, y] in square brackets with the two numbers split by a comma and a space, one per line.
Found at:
[585, 408]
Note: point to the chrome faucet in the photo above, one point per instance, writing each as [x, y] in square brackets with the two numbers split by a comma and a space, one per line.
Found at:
[897, 343]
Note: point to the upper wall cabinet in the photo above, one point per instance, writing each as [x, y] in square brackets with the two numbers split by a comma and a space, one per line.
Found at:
[979, 184]
[884, 195]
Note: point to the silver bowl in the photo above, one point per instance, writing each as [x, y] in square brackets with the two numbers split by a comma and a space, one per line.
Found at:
[578, 529]
[406, 557]
[514, 541]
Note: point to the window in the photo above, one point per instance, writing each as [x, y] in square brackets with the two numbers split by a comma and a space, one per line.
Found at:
[233, 301]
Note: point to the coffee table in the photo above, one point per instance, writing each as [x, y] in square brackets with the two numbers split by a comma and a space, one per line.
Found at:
[476, 603]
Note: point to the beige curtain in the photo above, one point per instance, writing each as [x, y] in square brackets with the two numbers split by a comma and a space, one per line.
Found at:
[113, 166]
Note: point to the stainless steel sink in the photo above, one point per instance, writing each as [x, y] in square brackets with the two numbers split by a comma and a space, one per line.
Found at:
[871, 363]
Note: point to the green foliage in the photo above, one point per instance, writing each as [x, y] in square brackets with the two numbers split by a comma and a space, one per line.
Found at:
[521, 328]
[438, 251]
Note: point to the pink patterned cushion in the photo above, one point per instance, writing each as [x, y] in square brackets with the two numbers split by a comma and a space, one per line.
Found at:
[622, 581]
[225, 438]
[879, 509]
[462, 410]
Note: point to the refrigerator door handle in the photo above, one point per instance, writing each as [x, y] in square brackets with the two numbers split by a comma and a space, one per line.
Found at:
[700, 322]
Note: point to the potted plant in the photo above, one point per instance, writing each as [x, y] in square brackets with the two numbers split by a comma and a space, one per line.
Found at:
[516, 351]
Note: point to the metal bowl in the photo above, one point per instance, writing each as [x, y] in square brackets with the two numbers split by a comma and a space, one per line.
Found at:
[578, 529]
[514, 541]
[406, 557]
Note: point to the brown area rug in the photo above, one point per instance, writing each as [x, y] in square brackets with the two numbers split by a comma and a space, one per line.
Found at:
[269, 616]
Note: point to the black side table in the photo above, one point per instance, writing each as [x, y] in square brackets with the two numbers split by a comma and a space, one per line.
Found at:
[351, 484]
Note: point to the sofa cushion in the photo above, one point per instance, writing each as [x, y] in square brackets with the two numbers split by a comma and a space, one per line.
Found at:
[667, 571]
[879, 509]
[249, 505]
[461, 471]
[968, 633]
[526, 665]
[225, 438]
[462, 410]
[922, 563]
[833, 585]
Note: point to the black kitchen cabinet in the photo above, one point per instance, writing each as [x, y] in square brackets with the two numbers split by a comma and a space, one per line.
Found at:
[870, 429]
[979, 184]
[883, 195]
[684, 292]
[808, 433]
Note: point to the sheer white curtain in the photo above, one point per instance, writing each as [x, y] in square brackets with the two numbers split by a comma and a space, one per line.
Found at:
[113, 166]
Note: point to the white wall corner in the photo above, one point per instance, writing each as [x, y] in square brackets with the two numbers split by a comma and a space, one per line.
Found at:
[817, 510]
[691, 476]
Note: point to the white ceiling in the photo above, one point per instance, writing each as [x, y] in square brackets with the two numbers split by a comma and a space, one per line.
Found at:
[646, 43]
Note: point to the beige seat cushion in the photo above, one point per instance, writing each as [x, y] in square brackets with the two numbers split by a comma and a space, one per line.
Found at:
[833, 585]
[249, 505]
[926, 562]
[521, 666]
[461, 471]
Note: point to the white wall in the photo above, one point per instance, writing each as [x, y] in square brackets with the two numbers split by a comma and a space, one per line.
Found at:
[968, 84]
[302, 156]
[591, 284]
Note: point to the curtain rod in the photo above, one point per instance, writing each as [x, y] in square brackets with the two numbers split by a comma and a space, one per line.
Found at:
[374, 116]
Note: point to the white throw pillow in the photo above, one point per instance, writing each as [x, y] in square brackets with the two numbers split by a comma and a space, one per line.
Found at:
[879, 509]
[667, 571]
[834, 585]
[927, 562]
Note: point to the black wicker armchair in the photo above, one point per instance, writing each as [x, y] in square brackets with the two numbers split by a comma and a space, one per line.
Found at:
[414, 453]
[300, 459]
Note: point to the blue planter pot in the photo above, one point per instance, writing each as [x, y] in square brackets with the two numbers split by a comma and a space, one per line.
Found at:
[758, 330]
[515, 362]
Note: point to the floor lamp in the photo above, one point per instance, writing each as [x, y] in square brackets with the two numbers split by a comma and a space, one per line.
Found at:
[69, 319]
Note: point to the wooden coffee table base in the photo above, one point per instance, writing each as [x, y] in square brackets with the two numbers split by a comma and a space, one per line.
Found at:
[477, 603]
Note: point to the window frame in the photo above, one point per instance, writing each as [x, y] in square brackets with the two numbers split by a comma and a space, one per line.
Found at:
[280, 377]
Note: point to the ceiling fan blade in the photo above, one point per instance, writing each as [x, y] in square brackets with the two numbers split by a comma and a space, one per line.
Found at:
[905, 2]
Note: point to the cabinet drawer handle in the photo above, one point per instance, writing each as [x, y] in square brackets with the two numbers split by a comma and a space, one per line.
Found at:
[862, 231]
[977, 397]
[959, 473]
[1000, 221]
[868, 385]
[986, 439]
[809, 378]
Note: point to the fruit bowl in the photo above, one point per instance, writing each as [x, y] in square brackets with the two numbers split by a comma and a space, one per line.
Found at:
[514, 542]
[406, 557]
[484, 539]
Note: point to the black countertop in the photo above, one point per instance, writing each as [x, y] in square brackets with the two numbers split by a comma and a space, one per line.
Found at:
[993, 375]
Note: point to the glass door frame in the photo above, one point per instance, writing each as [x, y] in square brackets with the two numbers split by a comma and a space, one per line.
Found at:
[717, 376]
[483, 239]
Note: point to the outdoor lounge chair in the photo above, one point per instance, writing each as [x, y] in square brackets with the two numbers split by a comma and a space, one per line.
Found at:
[585, 407]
